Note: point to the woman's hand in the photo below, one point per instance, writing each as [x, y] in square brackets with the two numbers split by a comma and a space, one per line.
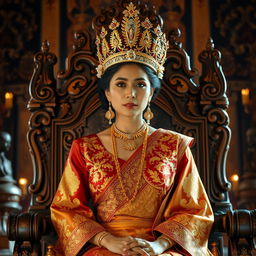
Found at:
[138, 246]
[118, 244]
[131, 246]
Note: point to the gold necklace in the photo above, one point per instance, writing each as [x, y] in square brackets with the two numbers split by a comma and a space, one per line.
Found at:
[129, 142]
[118, 170]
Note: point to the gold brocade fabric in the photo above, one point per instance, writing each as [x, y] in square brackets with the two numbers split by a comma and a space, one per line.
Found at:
[170, 200]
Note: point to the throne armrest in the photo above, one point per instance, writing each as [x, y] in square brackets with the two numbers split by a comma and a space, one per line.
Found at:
[27, 230]
[240, 227]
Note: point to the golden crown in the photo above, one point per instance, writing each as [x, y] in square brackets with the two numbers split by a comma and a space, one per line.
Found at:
[131, 41]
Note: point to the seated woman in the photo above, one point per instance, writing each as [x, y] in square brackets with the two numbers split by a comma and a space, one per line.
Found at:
[131, 189]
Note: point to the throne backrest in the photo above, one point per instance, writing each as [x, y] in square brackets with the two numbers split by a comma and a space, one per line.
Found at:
[68, 107]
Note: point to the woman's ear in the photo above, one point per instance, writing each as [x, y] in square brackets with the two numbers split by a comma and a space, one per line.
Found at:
[151, 93]
[107, 95]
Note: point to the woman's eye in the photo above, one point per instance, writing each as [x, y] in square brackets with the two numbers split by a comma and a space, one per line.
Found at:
[120, 84]
[140, 85]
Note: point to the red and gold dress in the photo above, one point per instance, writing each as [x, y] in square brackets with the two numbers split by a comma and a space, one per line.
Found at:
[171, 199]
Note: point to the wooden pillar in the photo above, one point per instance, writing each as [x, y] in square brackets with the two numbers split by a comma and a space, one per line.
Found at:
[50, 29]
[200, 28]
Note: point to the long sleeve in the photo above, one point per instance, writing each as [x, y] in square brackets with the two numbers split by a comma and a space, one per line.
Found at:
[71, 215]
[188, 217]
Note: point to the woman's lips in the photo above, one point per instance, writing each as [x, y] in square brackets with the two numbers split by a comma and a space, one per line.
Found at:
[130, 105]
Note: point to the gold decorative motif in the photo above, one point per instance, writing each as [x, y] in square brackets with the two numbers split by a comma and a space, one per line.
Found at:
[129, 139]
[133, 41]
[114, 24]
[147, 24]
[130, 25]
[148, 115]
[115, 40]
[110, 114]
[105, 48]
[140, 170]
[99, 164]
[191, 188]
[161, 169]
[103, 33]
[67, 188]
[145, 41]
[183, 236]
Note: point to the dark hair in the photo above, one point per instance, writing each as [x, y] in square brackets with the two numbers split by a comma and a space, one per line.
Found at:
[103, 83]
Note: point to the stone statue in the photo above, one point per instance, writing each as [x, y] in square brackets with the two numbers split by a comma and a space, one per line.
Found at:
[10, 193]
[5, 164]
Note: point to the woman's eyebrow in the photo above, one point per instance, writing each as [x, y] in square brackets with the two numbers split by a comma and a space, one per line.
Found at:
[121, 78]
[140, 78]
[125, 79]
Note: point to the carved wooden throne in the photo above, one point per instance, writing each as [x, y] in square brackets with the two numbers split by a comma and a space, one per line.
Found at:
[68, 107]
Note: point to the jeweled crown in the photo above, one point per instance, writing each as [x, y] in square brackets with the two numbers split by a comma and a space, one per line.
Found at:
[131, 40]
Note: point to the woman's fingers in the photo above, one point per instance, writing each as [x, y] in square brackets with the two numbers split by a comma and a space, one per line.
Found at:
[137, 243]
[141, 251]
[132, 253]
[137, 246]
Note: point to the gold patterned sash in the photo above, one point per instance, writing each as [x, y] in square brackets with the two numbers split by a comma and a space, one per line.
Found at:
[130, 226]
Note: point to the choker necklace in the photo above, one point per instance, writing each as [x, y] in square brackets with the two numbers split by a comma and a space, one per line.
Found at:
[140, 169]
[129, 139]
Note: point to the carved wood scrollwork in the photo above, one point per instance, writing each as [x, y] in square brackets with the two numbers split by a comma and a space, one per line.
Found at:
[214, 104]
[42, 104]
[81, 41]
[179, 75]
[53, 107]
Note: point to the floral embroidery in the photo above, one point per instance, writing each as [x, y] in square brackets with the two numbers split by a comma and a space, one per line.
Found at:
[162, 161]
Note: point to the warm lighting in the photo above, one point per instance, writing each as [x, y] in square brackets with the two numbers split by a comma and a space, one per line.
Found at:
[234, 177]
[8, 100]
[245, 96]
[23, 181]
[23, 185]
[234, 181]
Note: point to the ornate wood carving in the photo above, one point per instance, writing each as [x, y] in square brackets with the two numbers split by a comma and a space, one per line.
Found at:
[214, 103]
[42, 105]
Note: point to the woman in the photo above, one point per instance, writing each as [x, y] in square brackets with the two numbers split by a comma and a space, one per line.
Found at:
[131, 189]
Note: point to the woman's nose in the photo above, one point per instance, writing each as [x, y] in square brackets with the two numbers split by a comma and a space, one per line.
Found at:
[131, 93]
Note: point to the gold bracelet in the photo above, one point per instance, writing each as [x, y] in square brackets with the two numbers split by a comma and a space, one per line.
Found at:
[102, 235]
[169, 240]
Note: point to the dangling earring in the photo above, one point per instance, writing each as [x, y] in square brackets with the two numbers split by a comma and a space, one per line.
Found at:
[110, 114]
[148, 115]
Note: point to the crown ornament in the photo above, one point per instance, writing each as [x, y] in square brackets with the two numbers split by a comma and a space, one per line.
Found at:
[131, 40]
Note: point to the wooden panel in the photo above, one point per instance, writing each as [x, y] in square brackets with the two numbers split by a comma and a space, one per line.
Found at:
[51, 25]
[200, 28]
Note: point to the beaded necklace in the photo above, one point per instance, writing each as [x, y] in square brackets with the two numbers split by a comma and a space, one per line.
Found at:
[129, 139]
[117, 165]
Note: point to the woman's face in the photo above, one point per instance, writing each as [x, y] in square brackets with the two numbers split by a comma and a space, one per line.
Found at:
[129, 91]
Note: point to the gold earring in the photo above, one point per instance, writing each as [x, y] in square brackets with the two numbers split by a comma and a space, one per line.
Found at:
[110, 114]
[148, 115]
